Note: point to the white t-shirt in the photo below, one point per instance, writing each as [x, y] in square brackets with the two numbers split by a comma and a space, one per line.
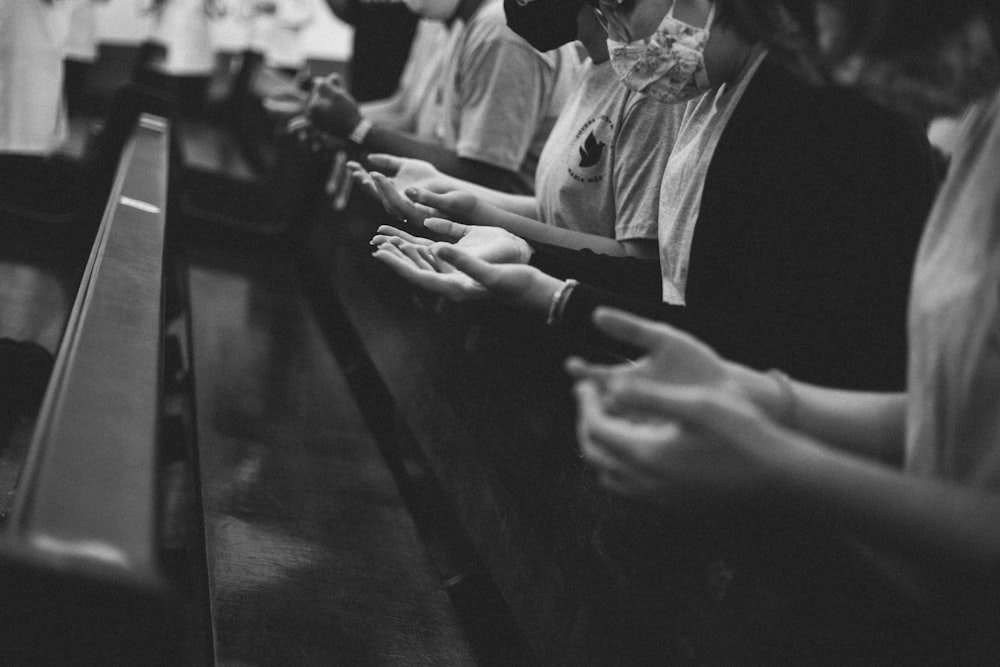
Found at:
[279, 35]
[82, 43]
[953, 420]
[33, 36]
[601, 168]
[705, 119]
[417, 81]
[497, 98]
[183, 27]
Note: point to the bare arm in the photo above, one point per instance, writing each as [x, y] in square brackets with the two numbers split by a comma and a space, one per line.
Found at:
[486, 214]
[868, 424]
[534, 230]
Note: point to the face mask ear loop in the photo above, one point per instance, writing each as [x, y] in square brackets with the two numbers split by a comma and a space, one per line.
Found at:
[710, 20]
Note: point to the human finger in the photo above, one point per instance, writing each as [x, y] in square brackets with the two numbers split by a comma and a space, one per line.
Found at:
[483, 272]
[581, 369]
[363, 178]
[452, 230]
[629, 328]
[379, 239]
[700, 407]
[625, 436]
[417, 254]
[589, 406]
[328, 84]
[395, 203]
[428, 198]
[389, 164]
[429, 280]
[390, 231]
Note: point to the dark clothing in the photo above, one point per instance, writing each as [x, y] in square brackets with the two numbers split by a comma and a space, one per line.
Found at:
[813, 206]
[383, 32]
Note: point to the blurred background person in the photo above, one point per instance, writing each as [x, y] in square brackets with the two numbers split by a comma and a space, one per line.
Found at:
[81, 52]
[597, 185]
[183, 55]
[383, 33]
[492, 105]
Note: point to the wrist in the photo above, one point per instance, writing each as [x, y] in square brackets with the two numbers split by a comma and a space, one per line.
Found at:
[360, 131]
[557, 302]
[771, 393]
[541, 290]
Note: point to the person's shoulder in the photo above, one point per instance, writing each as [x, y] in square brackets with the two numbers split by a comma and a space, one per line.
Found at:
[489, 26]
[837, 110]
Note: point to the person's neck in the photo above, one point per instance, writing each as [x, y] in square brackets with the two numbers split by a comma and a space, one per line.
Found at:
[596, 48]
[466, 8]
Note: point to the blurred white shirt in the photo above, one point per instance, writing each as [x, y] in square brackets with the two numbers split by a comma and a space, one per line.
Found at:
[81, 45]
[184, 28]
[33, 37]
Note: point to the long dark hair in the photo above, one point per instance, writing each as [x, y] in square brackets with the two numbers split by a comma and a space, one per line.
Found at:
[923, 57]
[788, 28]
[886, 28]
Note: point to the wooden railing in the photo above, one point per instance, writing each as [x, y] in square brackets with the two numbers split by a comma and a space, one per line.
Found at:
[79, 569]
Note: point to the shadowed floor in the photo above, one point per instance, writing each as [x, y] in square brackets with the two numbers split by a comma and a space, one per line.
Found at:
[313, 559]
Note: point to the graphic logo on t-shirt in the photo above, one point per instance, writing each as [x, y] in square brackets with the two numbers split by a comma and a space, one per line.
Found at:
[592, 141]
[591, 151]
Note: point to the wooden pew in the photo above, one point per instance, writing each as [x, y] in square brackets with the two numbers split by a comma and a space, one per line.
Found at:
[588, 577]
[80, 562]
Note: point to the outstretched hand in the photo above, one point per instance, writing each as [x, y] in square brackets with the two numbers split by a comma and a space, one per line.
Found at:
[681, 423]
[672, 356]
[445, 269]
[490, 244]
[409, 203]
[695, 447]
[331, 108]
[412, 173]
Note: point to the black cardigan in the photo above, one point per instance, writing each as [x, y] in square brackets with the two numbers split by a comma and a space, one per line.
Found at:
[813, 206]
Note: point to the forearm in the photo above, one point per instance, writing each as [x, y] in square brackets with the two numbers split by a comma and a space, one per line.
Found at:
[533, 230]
[949, 531]
[388, 112]
[523, 205]
[864, 423]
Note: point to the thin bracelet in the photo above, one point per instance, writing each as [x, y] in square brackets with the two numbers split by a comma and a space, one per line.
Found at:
[558, 304]
[360, 131]
[789, 403]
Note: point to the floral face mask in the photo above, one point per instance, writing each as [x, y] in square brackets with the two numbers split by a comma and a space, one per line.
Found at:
[669, 65]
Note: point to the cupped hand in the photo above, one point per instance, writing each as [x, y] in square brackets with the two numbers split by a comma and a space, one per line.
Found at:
[455, 205]
[490, 244]
[398, 206]
[412, 173]
[389, 234]
[443, 269]
[694, 447]
[331, 108]
[672, 356]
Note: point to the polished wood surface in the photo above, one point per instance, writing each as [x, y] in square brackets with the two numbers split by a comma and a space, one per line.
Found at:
[90, 477]
[312, 556]
[82, 534]
[591, 578]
